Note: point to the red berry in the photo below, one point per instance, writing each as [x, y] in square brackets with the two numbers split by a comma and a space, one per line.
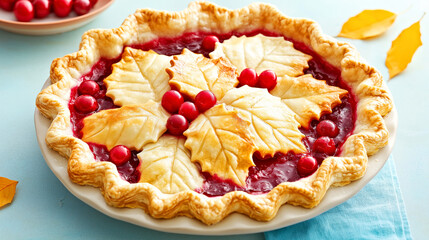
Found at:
[7, 4]
[324, 145]
[62, 8]
[205, 100]
[86, 104]
[88, 88]
[267, 79]
[119, 155]
[93, 2]
[189, 111]
[177, 124]
[42, 8]
[307, 165]
[81, 7]
[327, 128]
[248, 77]
[172, 100]
[209, 42]
[24, 11]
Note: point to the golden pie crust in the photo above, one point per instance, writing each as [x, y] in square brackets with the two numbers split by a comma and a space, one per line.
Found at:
[370, 133]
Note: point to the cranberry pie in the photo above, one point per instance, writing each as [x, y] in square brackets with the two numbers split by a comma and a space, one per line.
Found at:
[211, 111]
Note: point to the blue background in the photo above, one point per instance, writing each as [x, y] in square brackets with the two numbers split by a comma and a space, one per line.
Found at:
[44, 209]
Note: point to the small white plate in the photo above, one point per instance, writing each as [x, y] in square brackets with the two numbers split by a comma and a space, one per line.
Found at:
[51, 24]
[233, 224]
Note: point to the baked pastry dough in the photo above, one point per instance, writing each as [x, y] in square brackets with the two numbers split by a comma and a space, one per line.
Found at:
[166, 165]
[245, 125]
[307, 97]
[262, 53]
[139, 77]
[132, 126]
[191, 73]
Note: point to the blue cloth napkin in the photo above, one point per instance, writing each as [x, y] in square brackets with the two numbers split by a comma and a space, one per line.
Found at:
[376, 212]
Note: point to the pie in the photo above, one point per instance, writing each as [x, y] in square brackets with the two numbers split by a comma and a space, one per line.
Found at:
[211, 111]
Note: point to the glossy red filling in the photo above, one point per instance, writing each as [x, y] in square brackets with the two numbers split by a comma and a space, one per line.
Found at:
[268, 171]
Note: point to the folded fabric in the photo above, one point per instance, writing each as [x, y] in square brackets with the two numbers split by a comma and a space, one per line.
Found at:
[376, 212]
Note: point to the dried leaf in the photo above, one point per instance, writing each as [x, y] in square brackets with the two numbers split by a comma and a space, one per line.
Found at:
[403, 48]
[7, 190]
[167, 165]
[261, 53]
[367, 24]
[307, 97]
[139, 77]
[192, 73]
[131, 125]
[221, 143]
[272, 123]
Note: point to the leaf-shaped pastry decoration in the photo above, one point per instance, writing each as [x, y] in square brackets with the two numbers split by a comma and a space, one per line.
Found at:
[307, 97]
[403, 48]
[7, 190]
[367, 24]
[221, 143]
[131, 125]
[273, 124]
[261, 53]
[167, 165]
[139, 77]
[192, 73]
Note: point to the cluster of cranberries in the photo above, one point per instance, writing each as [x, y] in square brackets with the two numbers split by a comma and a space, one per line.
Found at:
[86, 102]
[326, 131]
[185, 111]
[26, 10]
[267, 79]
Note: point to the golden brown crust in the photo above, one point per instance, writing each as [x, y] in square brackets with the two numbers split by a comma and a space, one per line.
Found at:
[369, 136]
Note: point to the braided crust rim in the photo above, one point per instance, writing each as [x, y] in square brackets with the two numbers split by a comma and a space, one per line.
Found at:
[370, 133]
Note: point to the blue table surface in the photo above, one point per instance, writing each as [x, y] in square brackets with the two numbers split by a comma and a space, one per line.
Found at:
[44, 209]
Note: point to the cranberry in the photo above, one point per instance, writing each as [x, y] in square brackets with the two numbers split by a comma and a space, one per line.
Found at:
[172, 100]
[327, 128]
[88, 88]
[86, 104]
[93, 2]
[209, 42]
[7, 4]
[307, 165]
[189, 111]
[324, 145]
[267, 79]
[119, 155]
[24, 11]
[248, 77]
[62, 8]
[81, 7]
[205, 100]
[177, 124]
[42, 8]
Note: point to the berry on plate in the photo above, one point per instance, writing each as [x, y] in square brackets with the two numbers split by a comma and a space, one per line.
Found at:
[24, 11]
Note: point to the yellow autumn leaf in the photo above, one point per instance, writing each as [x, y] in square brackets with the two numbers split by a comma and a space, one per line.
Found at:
[367, 24]
[403, 48]
[7, 190]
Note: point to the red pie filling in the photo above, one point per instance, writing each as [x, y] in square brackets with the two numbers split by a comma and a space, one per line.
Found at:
[269, 171]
